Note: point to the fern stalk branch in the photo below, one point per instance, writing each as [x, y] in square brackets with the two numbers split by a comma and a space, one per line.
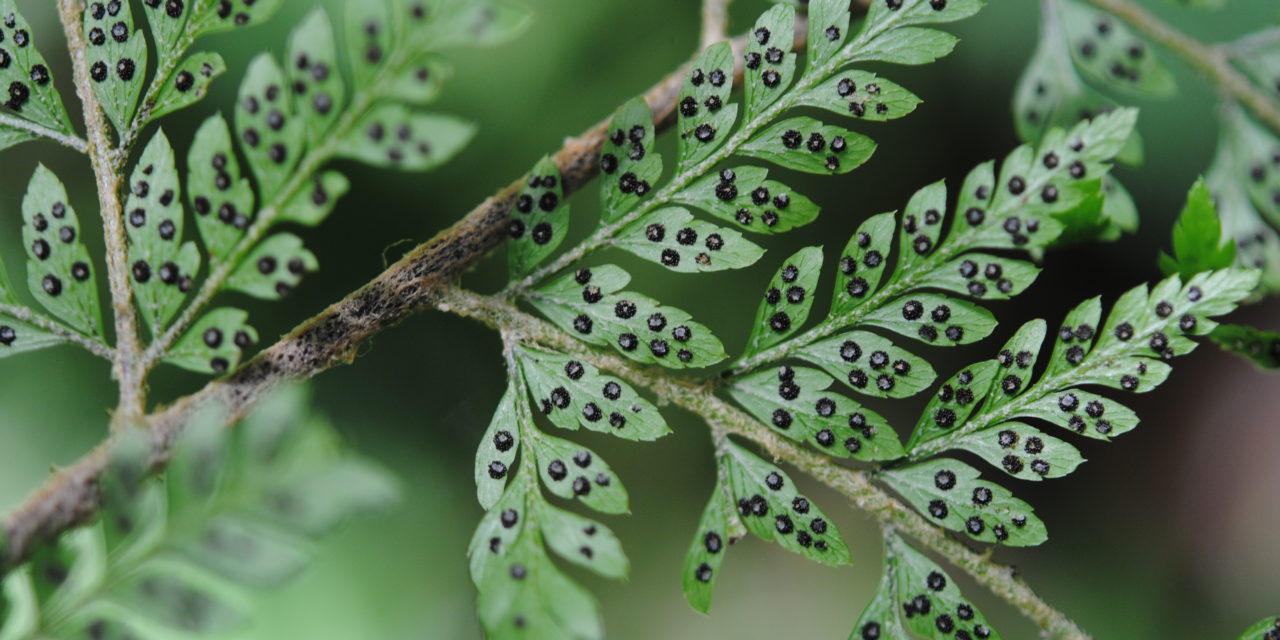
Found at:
[1212, 62]
[312, 162]
[73, 141]
[127, 365]
[857, 486]
[30, 316]
[70, 498]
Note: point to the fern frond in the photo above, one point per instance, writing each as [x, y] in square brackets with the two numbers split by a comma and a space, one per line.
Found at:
[30, 104]
[880, 286]
[1245, 181]
[522, 592]
[647, 218]
[1268, 629]
[916, 594]
[236, 509]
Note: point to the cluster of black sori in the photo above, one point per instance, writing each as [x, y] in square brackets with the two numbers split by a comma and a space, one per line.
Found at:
[125, 68]
[18, 91]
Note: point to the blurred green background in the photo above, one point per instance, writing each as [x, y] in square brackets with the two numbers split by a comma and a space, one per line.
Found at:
[1167, 533]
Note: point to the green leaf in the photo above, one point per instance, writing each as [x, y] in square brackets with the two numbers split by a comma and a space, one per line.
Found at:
[706, 114]
[573, 472]
[952, 405]
[934, 319]
[863, 95]
[171, 556]
[1022, 451]
[310, 207]
[863, 263]
[232, 14]
[770, 65]
[17, 336]
[394, 136]
[1017, 361]
[572, 393]
[11, 136]
[274, 268]
[882, 16]
[452, 23]
[804, 144]
[871, 364]
[1262, 347]
[628, 162]
[950, 495]
[1051, 94]
[918, 594]
[742, 196]
[421, 81]
[1085, 413]
[314, 77]
[191, 81]
[50, 569]
[59, 270]
[921, 226]
[1229, 178]
[672, 238]
[986, 276]
[787, 301]
[1075, 336]
[706, 553]
[29, 92]
[1146, 328]
[163, 267]
[908, 45]
[499, 446]
[131, 506]
[524, 595]
[182, 598]
[221, 196]
[168, 21]
[1198, 244]
[1268, 629]
[496, 535]
[793, 402]
[542, 220]
[771, 509]
[1108, 53]
[879, 619]
[828, 29]
[590, 305]
[215, 343]
[369, 39]
[117, 59]
[248, 552]
[271, 133]
[582, 541]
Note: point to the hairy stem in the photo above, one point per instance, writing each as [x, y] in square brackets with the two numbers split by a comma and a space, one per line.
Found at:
[1212, 62]
[857, 486]
[128, 369]
[75, 142]
[29, 316]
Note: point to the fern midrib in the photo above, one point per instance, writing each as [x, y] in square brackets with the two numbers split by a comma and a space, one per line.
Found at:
[812, 77]
[1044, 387]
